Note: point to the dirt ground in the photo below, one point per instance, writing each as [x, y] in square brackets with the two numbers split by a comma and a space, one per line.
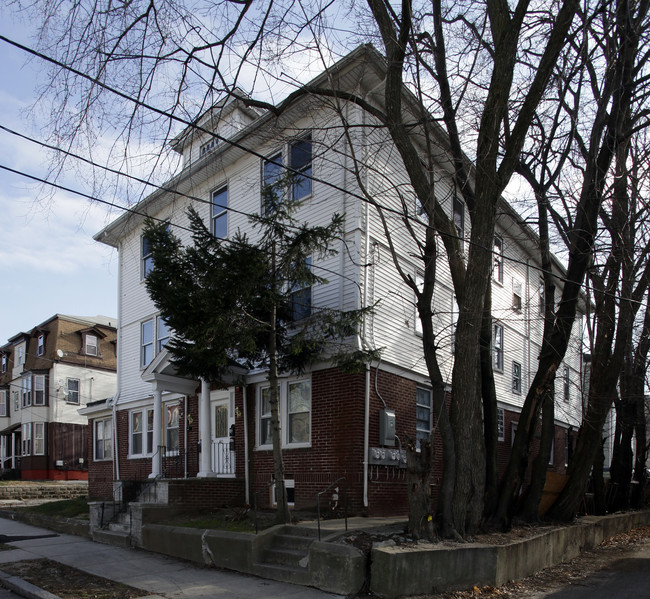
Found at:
[70, 583]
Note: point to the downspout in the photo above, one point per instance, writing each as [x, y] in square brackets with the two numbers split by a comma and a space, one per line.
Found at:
[185, 436]
[118, 376]
[246, 474]
[366, 409]
[116, 456]
[528, 316]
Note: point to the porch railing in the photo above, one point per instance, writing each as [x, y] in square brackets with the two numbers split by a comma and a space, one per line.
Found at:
[223, 458]
[334, 501]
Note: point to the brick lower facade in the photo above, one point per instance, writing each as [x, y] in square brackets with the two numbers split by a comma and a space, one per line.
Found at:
[336, 450]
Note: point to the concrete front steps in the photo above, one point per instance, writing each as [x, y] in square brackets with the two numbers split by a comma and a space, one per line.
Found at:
[286, 557]
[117, 533]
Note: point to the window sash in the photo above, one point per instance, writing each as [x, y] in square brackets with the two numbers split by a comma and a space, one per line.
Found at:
[498, 259]
[146, 342]
[27, 391]
[299, 412]
[498, 347]
[423, 416]
[516, 378]
[147, 257]
[3, 362]
[39, 390]
[300, 156]
[39, 438]
[4, 411]
[91, 345]
[26, 439]
[172, 429]
[271, 174]
[501, 428]
[40, 349]
[219, 213]
[73, 386]
[103, 440]
[162, 334]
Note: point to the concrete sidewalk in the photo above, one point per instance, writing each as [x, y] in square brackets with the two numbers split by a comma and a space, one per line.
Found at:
[160, 576]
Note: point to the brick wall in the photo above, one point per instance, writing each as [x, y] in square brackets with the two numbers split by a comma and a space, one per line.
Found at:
[202, 493]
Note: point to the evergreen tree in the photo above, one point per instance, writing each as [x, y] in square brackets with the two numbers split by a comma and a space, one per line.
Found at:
[249, 302]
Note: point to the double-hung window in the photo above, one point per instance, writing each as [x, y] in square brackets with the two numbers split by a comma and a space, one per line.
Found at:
[147, 257]
[39, 389]
[300, 297]
[300, 160]
[423, 419]
[498, 259]
[40, 345]
[219, 213]
[294, 405]
[91, 347]
[567, 384]
[39, 438]
[146, 344]
[26, 438]
[501, 425]
[162, 333]
[271, 183]
[4, 408]
[20, 353]
[516, 378]
[103, 439]
[516, 295]
[27, 390]
[141, 432]
[3, 363]
[497, 347]
[73, 391]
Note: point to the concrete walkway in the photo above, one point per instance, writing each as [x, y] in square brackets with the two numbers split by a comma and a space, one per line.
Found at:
[160, 576]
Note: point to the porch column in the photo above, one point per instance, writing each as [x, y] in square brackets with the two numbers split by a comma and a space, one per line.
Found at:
[13, 450]
[205, 461]
[156, 461]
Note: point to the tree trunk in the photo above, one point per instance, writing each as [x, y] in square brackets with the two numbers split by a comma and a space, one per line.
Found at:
[622, 456]
[598, 482]
[530, 509]
[419, 466]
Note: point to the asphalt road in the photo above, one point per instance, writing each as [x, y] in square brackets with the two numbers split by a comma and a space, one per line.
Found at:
[627, 578]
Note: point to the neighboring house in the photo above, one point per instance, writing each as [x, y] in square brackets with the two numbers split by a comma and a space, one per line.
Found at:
[46, 375]
[166, 427]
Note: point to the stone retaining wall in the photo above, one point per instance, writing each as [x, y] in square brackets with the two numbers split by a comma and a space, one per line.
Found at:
[59, 490]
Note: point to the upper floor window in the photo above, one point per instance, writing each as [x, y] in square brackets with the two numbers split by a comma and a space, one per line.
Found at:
[162, 333]
[39, 389]
[73, 391]
[91, 346]
[300, 160]
[516, 295]
[459, 218]
[16, 396]
[146, 343]
[4, 407]
[516, 378]
[301, 298]
[40, 346]
[20, 352]
[271, 189]
[26, 391]
[417, 321]
[103, 439]
[147, 257]
[219, 213]
[498, 259]
[206, 147]
[423, 420]
[3, 363]
[497, 346]
[454, 320]
[567, 384]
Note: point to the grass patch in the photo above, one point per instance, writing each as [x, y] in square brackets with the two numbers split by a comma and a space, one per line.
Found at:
[232, 520]
[65, 508]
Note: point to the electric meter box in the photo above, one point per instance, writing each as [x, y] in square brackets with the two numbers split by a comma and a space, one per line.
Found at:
[387, 427]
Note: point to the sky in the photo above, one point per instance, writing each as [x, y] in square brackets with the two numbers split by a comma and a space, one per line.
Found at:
[49, 262]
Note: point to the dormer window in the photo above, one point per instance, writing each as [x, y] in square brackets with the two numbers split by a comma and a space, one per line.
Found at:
[207, 147]
[91, 345]
[40, 347]
[3, 363]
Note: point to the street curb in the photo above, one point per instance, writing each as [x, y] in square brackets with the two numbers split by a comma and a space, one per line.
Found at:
[23, 588]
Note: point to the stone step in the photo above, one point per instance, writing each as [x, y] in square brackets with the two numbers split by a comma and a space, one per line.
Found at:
[120, 527]
[111, 537]
[291, 541]
[285, 557]
[283, 573]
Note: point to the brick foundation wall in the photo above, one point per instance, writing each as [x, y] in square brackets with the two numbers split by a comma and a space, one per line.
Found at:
[204, 493]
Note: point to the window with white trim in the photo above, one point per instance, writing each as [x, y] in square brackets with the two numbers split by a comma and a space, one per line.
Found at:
[16, 396]
[516, 378]
[162, 333]
[147, 257]
[4, 407]
[26, 385]
[209, 146]
[3, 363]
[423, 416]
[40, 345]
[91, 346]
[299, 412]
[271, 189]
[497, 347]
[74, 388]
[501, 426]
[39, 389]
[171, 428]
[219, 213]
[417, 322]
[146, 343]
[300, 160]
[294, 399]
[39, 438]
[141, 432]
[497, 273]
[516, 295]
[20, 353]
[567, 385]
[300, 298]
[26, 438]
[103, 430]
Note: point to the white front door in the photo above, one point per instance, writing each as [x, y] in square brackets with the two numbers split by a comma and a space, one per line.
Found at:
[223, 418]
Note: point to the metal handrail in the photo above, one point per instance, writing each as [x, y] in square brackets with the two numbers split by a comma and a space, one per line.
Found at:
[345, 505]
